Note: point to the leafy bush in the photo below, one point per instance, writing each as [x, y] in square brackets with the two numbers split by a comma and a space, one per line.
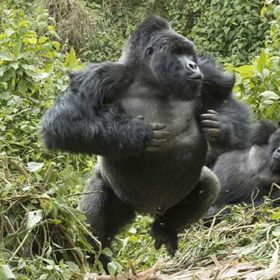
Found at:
[114, 22]
[258, 83]
[39, 227]
[232, 30]
[32, 71]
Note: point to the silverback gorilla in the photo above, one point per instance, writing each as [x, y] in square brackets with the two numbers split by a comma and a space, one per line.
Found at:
[141, 117]
[247, 175]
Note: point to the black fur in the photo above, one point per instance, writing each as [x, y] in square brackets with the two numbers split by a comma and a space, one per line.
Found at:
[141, 116]
[247, 175]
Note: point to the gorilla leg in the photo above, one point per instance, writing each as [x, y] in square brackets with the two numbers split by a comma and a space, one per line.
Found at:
[166, 227]
[104, 211]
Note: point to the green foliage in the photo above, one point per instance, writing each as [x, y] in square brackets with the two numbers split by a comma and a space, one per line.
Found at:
[40, 230]
[42, 234]
[32, 71]
[114, 22]
[232, 30]
[258, 83]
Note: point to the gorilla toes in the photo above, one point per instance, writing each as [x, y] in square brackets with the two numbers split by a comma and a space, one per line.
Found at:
[164, 236]
[211, 125]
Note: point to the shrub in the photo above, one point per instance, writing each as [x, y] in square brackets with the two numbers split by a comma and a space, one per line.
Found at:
[233, 30]
[258, 83]
[32, 71]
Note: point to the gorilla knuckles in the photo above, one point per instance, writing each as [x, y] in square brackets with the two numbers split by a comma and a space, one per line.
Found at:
[123, 111]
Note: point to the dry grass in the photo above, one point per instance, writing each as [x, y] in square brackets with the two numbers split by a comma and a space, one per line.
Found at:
[75, 22]
[244, 245]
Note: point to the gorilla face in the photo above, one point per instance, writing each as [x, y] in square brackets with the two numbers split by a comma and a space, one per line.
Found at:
[274, 143]
[167, 59]
[172, 61]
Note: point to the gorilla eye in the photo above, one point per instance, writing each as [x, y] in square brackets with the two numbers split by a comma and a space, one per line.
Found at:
[149, 51]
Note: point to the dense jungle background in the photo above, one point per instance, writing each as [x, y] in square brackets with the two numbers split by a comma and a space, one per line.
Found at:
[42, 234]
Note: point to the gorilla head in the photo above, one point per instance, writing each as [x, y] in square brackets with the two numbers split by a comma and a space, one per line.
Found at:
[165, 58]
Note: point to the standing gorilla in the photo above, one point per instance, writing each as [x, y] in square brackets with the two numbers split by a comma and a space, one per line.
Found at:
[141, 116]
[226, 126]
[248, 175]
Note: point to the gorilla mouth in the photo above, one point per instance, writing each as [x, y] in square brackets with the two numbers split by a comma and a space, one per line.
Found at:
[196, 77]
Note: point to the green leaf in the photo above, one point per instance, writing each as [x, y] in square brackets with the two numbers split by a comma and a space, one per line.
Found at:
[34, 166]
[6, 56]
[261, 62]
[276, 232]
[17, 49]
[270, 95]
[71, 59]
[113, 269]
[6, 272]
[22, 87]
[245, 71]
[276, 215]
[108, 252]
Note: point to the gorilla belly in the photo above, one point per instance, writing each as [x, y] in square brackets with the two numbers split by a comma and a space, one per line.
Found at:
[156, 181]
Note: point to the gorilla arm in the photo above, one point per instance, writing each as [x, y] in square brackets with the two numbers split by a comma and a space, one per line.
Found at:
[225, 121]
[228, 127]
[85, 119]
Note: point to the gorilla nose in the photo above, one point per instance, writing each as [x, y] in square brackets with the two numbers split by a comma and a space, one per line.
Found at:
[276, 153]
[192, 66]
[193, 69]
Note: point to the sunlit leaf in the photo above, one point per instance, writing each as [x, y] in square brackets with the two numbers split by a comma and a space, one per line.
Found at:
[34, 166]
[6, 272]
[33, 218]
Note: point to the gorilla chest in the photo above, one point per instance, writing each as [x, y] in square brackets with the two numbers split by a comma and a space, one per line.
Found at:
[155, 107]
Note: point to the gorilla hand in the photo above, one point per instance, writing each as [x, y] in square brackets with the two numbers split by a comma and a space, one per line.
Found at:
[158, 134]
[211, 125]
[159, 137]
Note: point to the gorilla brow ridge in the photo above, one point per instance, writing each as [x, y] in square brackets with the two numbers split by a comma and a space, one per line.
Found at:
[141, 36]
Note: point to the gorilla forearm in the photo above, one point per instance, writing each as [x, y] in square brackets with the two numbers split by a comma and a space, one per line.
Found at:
[85, 120]
[235, 124]
[71, 126]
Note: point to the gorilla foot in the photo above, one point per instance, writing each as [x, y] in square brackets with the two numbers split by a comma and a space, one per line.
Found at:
[164, 236]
